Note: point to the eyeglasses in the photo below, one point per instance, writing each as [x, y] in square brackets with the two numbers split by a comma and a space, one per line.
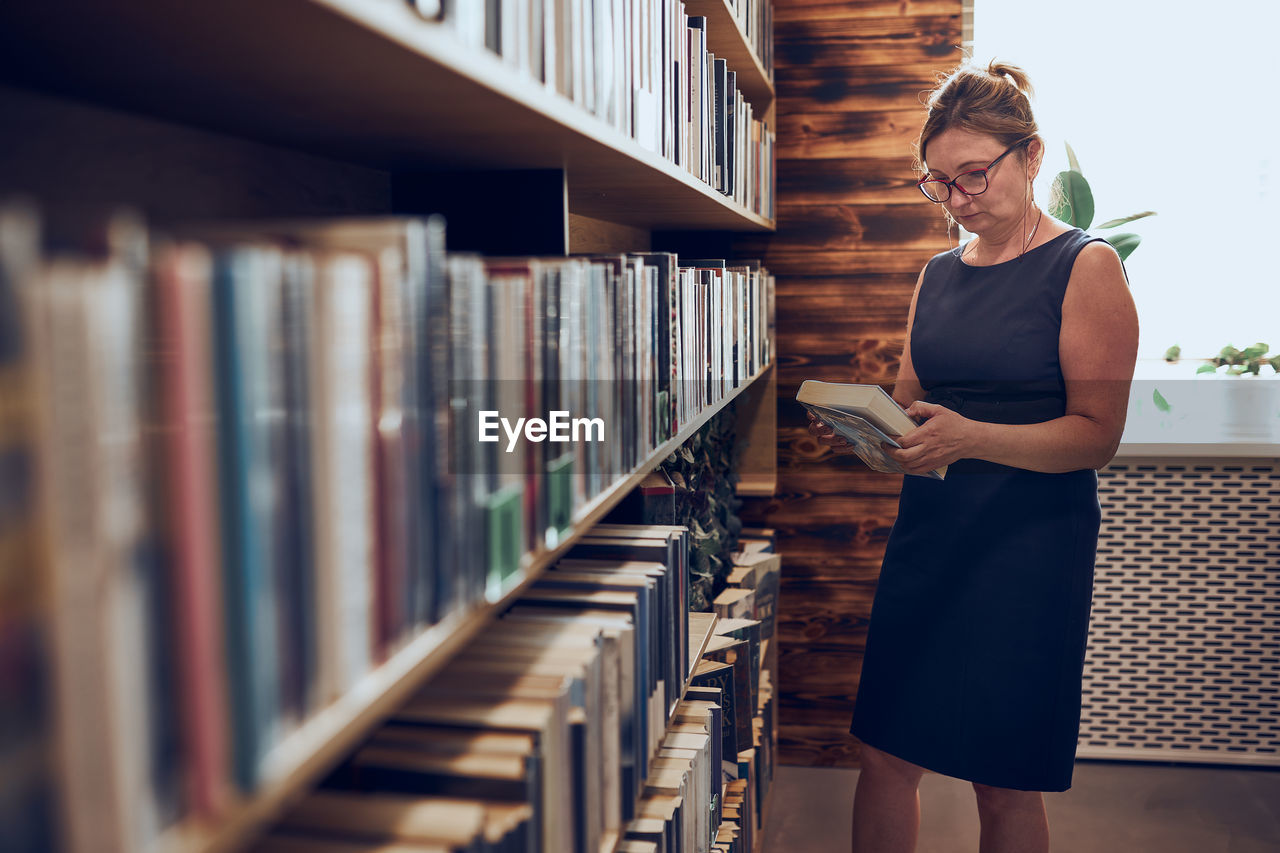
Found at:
[973, 182]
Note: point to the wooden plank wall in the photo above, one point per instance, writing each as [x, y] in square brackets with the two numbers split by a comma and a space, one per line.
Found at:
[853, 234]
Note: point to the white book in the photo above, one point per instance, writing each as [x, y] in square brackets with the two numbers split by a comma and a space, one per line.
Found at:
[342, 453]
[535, 18]
[83, 319]
[586, 75]
[865, 415]
[621, 60]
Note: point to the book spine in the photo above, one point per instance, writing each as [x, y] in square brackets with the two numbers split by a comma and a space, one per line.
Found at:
[28, 739]
[183, 307]
[391, 482]
[242, 281]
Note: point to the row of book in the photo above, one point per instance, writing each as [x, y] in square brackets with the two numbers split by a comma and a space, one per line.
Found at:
[642, 66]
[722, 142]
[570, 725]
[755, 19]
[240, 472]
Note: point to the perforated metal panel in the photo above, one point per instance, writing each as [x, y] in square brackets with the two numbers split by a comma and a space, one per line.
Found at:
[1184, 640]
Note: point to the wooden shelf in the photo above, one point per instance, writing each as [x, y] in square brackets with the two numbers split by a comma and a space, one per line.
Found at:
[757, 486]
[701, 628]
[306, 755]
[726, 39]
[759, 461]
[365, 81]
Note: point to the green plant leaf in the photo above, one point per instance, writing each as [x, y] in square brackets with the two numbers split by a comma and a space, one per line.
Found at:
[1173, 353]
[1161, 403]
[1124, 244]
[1258, 350]
[1073, 200]
[1071, 159]
[1275, 363]
[1206, 368]
[1112, 223]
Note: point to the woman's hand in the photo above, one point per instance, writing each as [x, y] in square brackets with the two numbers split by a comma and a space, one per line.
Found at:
[943, 438]
[826, 435]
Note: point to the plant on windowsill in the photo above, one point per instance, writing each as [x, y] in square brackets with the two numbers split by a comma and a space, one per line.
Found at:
[1250, 411]
[1071, 201]
[1238, 362]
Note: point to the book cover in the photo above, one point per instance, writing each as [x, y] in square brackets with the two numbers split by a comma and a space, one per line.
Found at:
[865, 415]
[720, 675]
[747, 630]
[737, 653]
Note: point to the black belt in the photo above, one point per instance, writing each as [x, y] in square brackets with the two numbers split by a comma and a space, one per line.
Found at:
[1001, 409]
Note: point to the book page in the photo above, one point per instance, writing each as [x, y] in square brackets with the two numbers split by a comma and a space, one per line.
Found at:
[865, 438]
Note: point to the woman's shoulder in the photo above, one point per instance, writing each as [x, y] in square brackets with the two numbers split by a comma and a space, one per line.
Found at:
[1052, 229]
[1067, 243]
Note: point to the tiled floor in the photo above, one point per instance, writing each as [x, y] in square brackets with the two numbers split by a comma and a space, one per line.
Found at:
[1111, 808]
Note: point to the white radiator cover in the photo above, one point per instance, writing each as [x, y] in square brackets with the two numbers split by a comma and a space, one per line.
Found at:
[1183, 661]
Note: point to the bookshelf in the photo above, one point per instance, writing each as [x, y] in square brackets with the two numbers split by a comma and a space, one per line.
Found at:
[726, 38]
[373, 86]
[309, 752]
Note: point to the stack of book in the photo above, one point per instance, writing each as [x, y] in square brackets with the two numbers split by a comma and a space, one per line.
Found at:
[250, 467]
[730, 701]
[550, 725]
[746, 608]
[755, 19]
[643, 67]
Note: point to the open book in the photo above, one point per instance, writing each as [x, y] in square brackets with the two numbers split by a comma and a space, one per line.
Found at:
[864, 415]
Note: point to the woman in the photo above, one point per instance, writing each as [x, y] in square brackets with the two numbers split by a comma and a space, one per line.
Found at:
[1019, 354]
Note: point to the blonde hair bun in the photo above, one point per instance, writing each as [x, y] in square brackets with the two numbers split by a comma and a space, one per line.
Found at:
[1013, 74]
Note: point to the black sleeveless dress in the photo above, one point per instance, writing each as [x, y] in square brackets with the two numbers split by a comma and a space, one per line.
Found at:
[976, 645]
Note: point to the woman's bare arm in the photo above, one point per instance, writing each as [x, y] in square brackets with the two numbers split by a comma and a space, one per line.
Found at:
[907, 389]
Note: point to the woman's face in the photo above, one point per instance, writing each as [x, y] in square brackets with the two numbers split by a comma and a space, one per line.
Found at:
[1008, 183]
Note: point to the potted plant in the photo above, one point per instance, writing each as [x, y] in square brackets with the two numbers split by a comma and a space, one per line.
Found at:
[1071, 201]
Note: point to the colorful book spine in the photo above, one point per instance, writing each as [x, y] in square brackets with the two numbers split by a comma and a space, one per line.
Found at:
[183, 302]
[243, 312]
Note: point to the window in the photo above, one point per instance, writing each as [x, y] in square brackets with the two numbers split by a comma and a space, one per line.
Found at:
[1171, 111]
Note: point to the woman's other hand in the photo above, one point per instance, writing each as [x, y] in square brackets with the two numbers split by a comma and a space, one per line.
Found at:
[827, 436]
[944, 437]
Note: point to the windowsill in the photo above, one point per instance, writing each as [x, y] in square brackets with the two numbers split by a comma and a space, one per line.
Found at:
[1207, 415]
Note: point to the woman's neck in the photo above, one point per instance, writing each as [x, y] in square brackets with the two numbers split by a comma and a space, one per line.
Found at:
[998, 245]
